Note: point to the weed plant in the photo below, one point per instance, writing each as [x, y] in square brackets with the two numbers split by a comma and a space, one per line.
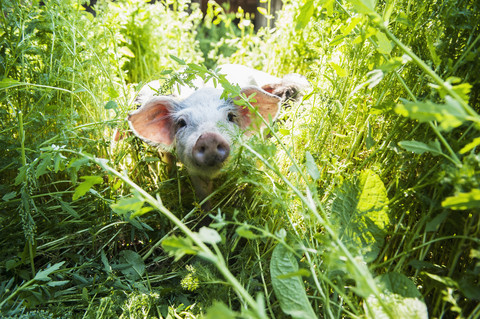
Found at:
[362, 200]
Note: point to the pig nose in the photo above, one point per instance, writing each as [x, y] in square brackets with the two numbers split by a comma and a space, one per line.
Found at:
[211, 149]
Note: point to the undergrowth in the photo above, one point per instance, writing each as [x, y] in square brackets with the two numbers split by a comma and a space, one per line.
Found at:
[361, 200]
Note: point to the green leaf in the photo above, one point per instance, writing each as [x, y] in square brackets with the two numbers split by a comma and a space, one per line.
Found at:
[209, 235]
[290, 291]
[179, 61]
[338, 69]
[42, 275]
[245, 232]
[136, 266]
[420, 148]
[463, 201]
[449, 115]
[353, 23]
[470, 146]
[111, 105]
[364, 6]
[305, 14]
[385, 46]
[131, 205]
[360, 214]
[179, 246]
[7, 82]
[126, 52]
[85, 186]
[9, 196]
[400, 295]
[262, 11]
[312, 168]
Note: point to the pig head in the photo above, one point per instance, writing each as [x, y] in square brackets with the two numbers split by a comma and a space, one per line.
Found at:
[201, 126]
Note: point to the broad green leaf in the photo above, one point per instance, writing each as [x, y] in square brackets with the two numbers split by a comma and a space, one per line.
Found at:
[85, 186]
[303, 17]
[179, 246]
[385, 46]
[312, 168]
[470, 146]
[290, 291]
[400, 295]
[449, 115]
[360, 214]
[136, 266]
[463, 201]
[338, 69]
[42, 275]
[420, 148]
[209, 235]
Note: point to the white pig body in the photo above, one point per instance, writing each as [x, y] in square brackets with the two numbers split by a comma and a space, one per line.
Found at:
[199, 124]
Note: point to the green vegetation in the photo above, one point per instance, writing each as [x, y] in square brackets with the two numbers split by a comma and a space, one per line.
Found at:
[362, 201]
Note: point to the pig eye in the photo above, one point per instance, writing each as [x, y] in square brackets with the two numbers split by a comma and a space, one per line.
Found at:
[231, 117]
[180, 123]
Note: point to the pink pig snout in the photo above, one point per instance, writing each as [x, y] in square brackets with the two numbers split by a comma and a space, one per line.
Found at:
[210, 150]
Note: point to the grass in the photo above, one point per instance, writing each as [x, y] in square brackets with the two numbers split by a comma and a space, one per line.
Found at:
[361, 202]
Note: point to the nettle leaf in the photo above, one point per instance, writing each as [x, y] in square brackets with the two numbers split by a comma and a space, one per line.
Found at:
[179, 246]
[135, 267]
[289, 290]
[360, 214]
[463, 201]
[450, 114]
[400, 295]
[85, 186]
[420, 148]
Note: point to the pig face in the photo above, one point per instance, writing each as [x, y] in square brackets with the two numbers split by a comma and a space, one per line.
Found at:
[200, 127]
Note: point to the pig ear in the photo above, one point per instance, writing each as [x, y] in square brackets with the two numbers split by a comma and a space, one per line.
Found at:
[290, 88]
[267, 105]
[153, 122]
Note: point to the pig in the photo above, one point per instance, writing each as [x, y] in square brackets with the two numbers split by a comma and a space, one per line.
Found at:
[200, 125]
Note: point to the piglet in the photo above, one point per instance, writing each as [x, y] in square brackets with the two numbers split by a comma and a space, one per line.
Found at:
[199, 124]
